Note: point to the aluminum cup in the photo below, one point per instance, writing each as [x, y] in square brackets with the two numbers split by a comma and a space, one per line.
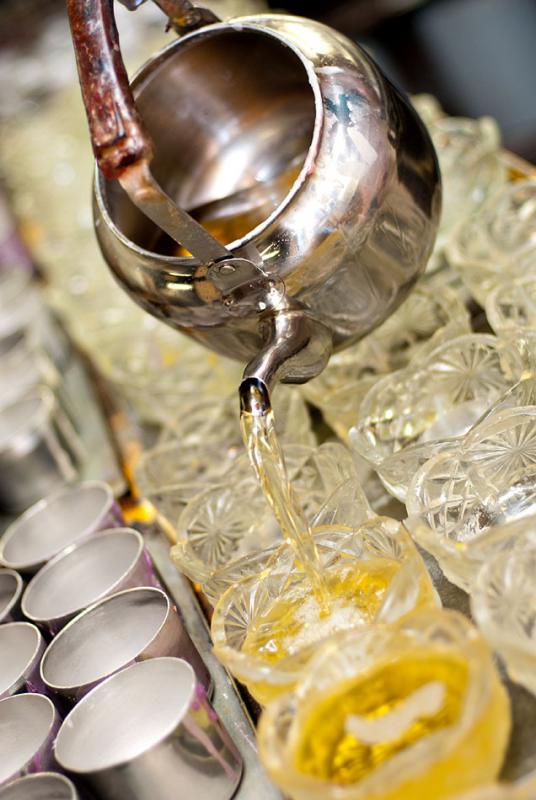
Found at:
[129, 626]
[24, 315]
[148, 732]
[57, 521]
[21, 650]
[11, 586]
[83, 574]
[28, 727]
[39, 450]
[40, 786]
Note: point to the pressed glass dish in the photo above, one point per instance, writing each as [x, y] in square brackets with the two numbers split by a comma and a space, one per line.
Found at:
[232, 520]
[205, 444]
[158, 371]
[503, 604]
[457, 500]
[407, 711]
[468, 151]
[498, 242]
[430, 402]
[511, 306]
[423, 322]
[267, 627]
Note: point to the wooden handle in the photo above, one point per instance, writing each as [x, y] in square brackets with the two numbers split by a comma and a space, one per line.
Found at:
[117, 132]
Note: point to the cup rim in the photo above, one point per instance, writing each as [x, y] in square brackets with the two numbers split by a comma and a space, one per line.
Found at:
[89, 700]
[44, 503]
[81, 687]
[33, 697]
[19, 586]
[36, 777]
[63, 555]
[30, 661]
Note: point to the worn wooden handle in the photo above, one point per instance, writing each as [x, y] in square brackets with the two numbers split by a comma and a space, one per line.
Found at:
[117, 132]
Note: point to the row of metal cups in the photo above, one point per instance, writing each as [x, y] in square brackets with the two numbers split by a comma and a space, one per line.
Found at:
[139, 733]
[40, 449]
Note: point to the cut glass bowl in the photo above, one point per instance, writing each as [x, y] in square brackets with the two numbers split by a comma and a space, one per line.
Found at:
[498, 242]
[430, 402]
[458, 500]
[407, 711]
[468, 151]
[232, 521]
[268, 626]
[503, 602]
[423, 322]
[203, 446]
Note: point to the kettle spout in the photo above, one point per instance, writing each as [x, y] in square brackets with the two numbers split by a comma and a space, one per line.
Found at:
[297, 348]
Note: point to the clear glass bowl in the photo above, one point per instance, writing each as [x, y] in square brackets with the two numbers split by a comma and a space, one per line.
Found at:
[203, 445]
[497, 243]
[511, 306]
[504, 607]
[398, 712]
[266, 628]
[423, 322]
[232, 520]
[457, 500]
[431, 401]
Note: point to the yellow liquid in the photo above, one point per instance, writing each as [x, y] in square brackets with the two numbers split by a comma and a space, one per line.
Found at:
[329, 750]
[260, 438]
[355, 596]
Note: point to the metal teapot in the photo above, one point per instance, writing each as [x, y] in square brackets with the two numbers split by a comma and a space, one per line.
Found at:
[281, 118]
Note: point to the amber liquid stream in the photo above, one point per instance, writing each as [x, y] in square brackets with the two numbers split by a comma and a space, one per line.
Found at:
[260, 438]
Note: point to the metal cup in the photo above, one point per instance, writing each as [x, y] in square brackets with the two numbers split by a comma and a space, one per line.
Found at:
[21, 649]
[28, 727]
[56, 522]
[22, 368]
[148, 732]
[23, 315]
[25, 366]
[39, 450]
[11, 586]
[129, 626]
[41, 786]
[85, 573]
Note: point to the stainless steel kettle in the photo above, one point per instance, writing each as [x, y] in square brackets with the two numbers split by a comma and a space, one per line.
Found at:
[316, 177]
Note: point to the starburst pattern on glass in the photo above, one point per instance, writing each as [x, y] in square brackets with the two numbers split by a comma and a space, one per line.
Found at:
[398, 712]
[268, 626]
[458, 500]
[232, 520]
[430, 402]
[497, 243]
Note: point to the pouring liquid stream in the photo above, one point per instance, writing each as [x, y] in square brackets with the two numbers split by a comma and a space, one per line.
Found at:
[265, 454]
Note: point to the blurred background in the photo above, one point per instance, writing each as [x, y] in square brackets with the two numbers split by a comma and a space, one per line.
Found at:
[477, 56]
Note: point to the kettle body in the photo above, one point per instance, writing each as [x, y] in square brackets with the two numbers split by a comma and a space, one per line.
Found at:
[351, 209]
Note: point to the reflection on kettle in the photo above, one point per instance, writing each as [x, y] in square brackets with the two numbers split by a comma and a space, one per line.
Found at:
[312, 186]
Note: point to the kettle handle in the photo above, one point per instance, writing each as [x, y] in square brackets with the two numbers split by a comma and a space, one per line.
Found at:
[117, 132]
[118, 135]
